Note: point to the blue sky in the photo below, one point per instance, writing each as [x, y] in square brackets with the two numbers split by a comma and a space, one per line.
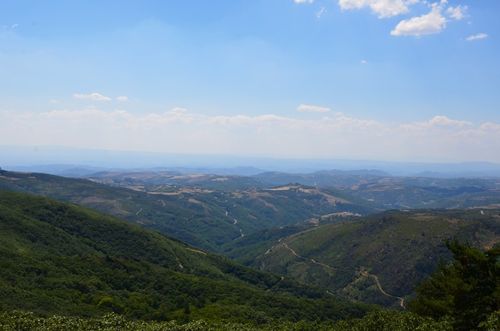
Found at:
[353, 71]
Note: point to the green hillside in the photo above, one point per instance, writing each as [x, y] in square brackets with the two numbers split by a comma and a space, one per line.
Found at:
[381, 258]
[198, 216]
[57, 258]
[246, 249]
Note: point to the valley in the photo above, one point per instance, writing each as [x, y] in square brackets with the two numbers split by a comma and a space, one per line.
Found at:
[200, 216]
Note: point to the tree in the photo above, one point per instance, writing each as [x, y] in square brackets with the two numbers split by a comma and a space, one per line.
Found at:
[466, 290]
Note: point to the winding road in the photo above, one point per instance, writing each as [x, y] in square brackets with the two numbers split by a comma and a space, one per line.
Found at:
[379, 286]
[363, 272]
[326, 266]
[235, 222]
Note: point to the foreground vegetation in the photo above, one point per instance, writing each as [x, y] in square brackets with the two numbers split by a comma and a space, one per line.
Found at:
[467, 291]
[377, 321]
[463, 295]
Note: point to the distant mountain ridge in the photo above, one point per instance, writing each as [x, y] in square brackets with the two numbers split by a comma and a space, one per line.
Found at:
[13, 156]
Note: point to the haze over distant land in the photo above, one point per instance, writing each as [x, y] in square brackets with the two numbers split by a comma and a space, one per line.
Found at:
[439, 139]
[81, 162]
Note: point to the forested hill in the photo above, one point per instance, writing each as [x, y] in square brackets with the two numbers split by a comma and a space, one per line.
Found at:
[380, 258]
[64, 259]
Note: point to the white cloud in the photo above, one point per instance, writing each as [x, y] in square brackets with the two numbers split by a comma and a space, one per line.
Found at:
[364, 62]
[490, 126]
[303, 1]
[430, 23]
[478, 36]
[312, 109]
[320, 12]
[457, 13]
[179, 131]
[383, 8]
[9, 28]
[438, 123]
[91, 96]
[441, 120]
[433, 22]
[178, 111]
[122, 98]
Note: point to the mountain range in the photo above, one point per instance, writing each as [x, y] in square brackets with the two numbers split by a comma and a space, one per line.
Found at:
[169, 245]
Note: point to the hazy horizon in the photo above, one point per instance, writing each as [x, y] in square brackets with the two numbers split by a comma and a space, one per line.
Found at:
[58, 160]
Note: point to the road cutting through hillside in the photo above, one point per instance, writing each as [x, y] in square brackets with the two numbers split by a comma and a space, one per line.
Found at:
[379, 286]
[363, 272]
[307, 259]
[235, 222]
[196, 250]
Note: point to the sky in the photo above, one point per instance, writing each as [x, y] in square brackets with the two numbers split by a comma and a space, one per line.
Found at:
[396, 80]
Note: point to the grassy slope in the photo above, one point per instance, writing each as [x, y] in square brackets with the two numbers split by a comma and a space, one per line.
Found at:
[61, 258]
[401, 248]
